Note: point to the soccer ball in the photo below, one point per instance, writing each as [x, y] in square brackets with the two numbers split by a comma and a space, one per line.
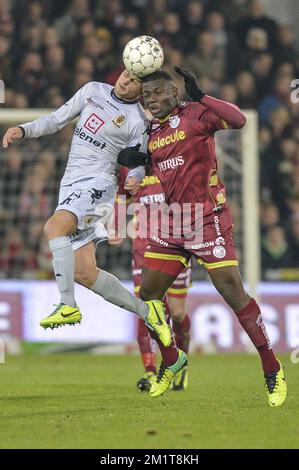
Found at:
[143, 55]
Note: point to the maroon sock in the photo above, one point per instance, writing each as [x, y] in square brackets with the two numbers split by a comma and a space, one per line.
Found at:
[169, 354]
[251, 320]
[146, 348]
[182, 333]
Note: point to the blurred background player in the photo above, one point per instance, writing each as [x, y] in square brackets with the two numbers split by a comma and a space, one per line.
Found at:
[183, 156]
[149, 193]
[109, 119]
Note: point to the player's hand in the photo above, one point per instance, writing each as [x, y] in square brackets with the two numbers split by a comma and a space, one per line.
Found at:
[132, 184]
[13, 133]
[131, 157]
[191, 86]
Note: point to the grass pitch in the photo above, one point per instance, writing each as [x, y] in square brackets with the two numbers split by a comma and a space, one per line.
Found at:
[83, 401]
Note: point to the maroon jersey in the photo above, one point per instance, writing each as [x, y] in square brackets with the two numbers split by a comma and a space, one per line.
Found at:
[150, 192]
[184, 159]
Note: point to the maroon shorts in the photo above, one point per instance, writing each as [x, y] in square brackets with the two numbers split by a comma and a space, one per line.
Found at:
[217, 249]
[180, 286]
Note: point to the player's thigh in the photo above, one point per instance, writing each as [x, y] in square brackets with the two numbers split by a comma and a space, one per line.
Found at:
[229, 284]
[61, 223]
[86, 270]
[177, 307]
[154, 284]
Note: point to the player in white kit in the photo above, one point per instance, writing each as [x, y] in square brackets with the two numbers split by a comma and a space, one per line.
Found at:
[110, 119]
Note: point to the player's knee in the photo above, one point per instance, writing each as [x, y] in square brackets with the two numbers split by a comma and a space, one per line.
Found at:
[146, 293]
[84, 278]
[59, 225]
[228, 286]
[232, 290]
[50, 228]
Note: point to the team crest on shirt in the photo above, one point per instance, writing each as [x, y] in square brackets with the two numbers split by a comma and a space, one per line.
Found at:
[174, 121]
[119, 120]
[219, 251]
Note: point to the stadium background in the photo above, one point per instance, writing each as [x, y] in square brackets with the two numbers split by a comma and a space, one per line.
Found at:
[241, 51]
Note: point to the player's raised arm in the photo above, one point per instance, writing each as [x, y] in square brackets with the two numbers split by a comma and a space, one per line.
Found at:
[50, 123]
[228, 112]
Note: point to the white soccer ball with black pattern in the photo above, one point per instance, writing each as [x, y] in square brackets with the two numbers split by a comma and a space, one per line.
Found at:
[143, 55]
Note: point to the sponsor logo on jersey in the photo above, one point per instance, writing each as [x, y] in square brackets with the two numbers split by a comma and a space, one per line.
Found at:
[217, 226]
[220, 198]
[151, 198]
[169, 139]
[171, 163]
[113, 105]
[219, 251]
[161, 242]
[202, 253]
[93, 123]
[119, 120]
[94, 103]
[149, 180]
[213, 180]
[202, 245]
[174, 121]
[87, 138]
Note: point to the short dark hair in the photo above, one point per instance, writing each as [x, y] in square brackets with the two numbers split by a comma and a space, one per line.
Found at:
[159, 75]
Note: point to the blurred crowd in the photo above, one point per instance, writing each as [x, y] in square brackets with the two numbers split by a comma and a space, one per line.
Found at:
[49, 49]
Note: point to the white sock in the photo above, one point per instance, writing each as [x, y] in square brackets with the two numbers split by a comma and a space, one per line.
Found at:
[64, 268]
[109, 287]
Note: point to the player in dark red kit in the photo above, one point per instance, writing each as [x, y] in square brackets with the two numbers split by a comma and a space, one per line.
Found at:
[183, 157]
[151, 192]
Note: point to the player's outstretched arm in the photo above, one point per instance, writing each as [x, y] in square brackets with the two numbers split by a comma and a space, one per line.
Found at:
[12, 134]
[228, 112]
[55, 121]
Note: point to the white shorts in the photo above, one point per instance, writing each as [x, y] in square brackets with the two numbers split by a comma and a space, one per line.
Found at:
[92, 202]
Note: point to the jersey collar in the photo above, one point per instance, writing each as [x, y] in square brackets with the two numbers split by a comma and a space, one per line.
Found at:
[174, 112]
[120, 100]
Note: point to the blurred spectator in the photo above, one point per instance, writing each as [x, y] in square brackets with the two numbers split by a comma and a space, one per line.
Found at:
[193, 15]
[55, 71]
[262, 67]
[206, 61]
[215, 24]
[276, 252]
[228, 93]
[256, 30]
[31, 79]
[269, 216]
[279, 97]
[285, 50]
[171, 35]
[246, 90]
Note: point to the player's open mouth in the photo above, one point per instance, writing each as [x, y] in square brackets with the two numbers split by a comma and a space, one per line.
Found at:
[154, 108]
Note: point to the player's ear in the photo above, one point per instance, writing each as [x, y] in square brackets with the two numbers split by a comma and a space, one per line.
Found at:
[175, 91]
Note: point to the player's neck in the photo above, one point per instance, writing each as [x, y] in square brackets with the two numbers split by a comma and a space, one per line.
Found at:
[165, 118]
[121, 99]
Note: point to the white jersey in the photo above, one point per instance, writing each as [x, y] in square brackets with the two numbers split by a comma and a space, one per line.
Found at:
[105, 126]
